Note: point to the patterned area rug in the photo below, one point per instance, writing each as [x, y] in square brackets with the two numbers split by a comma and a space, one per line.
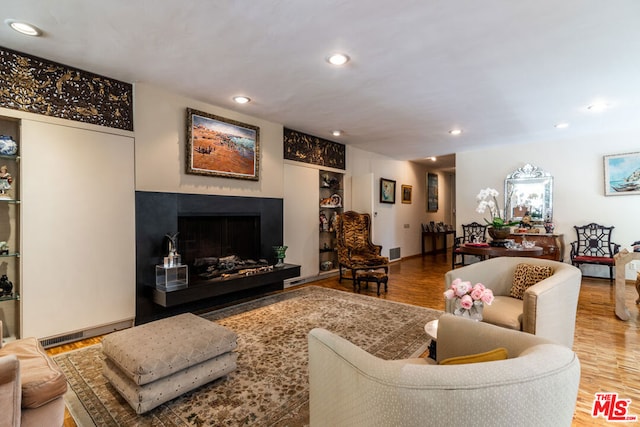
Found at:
[270, 386]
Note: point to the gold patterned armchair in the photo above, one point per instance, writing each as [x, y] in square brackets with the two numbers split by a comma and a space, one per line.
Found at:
[355, 249]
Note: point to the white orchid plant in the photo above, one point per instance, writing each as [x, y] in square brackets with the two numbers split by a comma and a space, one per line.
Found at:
[488, 199]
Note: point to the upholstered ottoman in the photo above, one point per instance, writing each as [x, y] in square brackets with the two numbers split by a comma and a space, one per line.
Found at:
[371, 276]
[158, 361]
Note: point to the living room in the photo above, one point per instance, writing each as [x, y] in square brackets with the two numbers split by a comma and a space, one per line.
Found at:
[61, 272]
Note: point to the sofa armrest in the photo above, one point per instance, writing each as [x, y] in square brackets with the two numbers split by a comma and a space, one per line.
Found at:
[549, 306]
[10, 391]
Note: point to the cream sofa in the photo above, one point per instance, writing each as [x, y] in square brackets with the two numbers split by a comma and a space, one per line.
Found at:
[536, 386]
[548, 308]
[31, 385]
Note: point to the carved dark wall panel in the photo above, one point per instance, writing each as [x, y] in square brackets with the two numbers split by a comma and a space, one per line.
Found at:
[305, 148]
[35, 85]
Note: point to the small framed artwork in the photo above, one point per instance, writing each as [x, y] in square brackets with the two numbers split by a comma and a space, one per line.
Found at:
[432, 192]
[622, 174]
[406, 193]
[222, 147]
[387, 191]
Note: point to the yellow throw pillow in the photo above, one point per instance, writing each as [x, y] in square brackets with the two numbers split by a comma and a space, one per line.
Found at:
[527, 275]
[489, 356]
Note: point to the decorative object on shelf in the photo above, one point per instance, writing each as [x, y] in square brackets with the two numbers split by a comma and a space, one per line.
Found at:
[6, 287]
[4, 248]
[5, 181]
[329, 181]
[280, 254]
[324, 222]
[222, 147]
[622, 174]
[8, 147]
[332, 222]
[499, 229]
[173, 259]
[469, 300]
[387, 191]
[326, 265]
[335, 201]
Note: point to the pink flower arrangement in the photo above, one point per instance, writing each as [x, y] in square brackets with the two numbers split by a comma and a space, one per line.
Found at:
[468, 294]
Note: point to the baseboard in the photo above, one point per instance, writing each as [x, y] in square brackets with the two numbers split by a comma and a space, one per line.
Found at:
[95, 331]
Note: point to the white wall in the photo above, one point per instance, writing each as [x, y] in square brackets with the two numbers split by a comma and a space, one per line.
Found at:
[160, 129]
[577, 166]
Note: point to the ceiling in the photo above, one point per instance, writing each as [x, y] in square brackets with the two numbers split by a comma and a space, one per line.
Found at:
[503, 71]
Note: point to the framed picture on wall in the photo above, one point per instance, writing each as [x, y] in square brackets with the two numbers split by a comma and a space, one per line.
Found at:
[622, 174]
[387, 191]
[406, 193]
[222, 147]
[432, 192]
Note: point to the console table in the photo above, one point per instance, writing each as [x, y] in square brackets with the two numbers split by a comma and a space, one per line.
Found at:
[435, 235]
[552, 244]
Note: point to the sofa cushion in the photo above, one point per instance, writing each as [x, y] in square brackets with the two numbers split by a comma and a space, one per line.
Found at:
[526, 275]
[504, 311]
[488, 356]
[41, 379]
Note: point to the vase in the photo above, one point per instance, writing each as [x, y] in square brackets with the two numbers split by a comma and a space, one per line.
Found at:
[280, 254]
[501, 233]
[473, 313]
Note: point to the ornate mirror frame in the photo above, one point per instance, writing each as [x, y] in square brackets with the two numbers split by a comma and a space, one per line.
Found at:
[528, 189]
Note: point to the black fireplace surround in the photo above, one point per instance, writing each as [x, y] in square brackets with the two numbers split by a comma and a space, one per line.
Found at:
[255, 221]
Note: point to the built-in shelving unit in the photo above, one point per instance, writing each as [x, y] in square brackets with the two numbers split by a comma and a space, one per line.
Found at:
[331, 204]
[10, 312]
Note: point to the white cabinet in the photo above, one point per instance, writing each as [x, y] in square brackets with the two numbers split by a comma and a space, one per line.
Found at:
[78, 234]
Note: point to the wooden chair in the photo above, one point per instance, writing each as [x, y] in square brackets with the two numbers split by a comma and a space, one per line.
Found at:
[355, 249]
[594, 246]
[473, 232]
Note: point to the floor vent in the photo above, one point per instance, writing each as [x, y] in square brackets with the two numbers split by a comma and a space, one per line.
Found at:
[394, 253]
[87, 333]
[50, 342]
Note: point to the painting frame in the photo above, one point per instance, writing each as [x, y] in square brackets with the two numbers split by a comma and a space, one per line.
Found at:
[220, 147]
[387, 191]
[406, 192]
[622, 174]
[432, 192]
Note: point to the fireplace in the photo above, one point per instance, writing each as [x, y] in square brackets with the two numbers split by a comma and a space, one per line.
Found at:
[213, 246]
[209, 226]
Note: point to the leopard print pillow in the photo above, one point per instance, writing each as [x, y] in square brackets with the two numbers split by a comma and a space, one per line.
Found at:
[527, 275]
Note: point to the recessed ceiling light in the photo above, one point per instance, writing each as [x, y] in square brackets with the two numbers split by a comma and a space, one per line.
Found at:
[241, 99]
[455, 131]
[433, 159]
[336, 133]
[24, 27]
[562, 125]
[338, 59]
[598, 106]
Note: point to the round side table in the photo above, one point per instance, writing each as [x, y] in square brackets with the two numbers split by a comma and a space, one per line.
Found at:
[431, 328]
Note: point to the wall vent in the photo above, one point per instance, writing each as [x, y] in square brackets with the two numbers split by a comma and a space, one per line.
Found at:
[394, 253]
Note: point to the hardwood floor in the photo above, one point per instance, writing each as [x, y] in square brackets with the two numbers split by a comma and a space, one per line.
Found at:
[607, 347]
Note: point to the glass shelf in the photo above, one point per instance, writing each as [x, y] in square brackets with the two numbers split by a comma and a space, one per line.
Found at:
[13, 297]
[6, 157]
[15, 254]
[10, 201]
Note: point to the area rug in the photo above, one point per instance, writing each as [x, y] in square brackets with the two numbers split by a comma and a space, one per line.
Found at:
[270, 387]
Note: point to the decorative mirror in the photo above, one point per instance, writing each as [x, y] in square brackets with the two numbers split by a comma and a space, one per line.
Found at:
[528, 190]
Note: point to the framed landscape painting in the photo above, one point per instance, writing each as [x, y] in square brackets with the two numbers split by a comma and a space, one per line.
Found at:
[622, 174]
[222, 147]
[387, 191]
